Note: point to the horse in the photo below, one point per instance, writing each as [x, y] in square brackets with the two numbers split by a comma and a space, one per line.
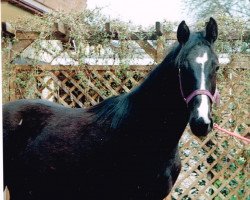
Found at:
[125, 147]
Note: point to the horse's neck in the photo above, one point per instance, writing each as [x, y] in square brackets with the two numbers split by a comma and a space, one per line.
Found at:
[158, 105]
[160, 90]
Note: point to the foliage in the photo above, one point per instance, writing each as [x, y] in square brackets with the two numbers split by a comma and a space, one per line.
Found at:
[87, 32]
[204, 9]
[231, 32]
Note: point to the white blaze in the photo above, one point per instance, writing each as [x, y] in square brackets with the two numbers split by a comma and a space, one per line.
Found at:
[203, 109]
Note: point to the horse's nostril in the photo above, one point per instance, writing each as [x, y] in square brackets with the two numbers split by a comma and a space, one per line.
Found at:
[201, 127]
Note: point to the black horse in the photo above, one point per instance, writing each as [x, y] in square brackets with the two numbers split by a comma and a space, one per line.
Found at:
[123, 148]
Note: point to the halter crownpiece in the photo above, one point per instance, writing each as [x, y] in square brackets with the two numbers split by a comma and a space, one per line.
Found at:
[214, 98]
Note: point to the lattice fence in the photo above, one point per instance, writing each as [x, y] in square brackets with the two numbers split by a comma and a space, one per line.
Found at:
[76, 86]
[216, 167]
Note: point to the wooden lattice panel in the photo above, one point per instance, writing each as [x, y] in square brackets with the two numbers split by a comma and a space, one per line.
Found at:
[77, 87]
[216, 167]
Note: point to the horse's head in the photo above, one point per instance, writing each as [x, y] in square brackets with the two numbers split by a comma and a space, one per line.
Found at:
[197, 64]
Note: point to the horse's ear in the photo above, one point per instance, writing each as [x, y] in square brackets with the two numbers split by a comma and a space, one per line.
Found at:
[211, 33]
[183, 33]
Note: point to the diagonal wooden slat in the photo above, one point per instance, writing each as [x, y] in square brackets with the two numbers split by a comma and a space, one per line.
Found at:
[148, 48]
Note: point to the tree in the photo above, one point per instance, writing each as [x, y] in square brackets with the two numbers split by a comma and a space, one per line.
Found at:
[206, 8]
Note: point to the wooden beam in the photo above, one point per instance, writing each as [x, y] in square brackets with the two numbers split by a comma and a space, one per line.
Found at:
[108, 29]
[89, 67]
[59, 29]
[116, 67]
[34, 35]
[30, 35]
[160, 49]
[139, 36]
[12, 85]
[6, 74]
[21, 35]
[60, 32]
[158, 28]
[148, 48]
[18, 47]
[114, 35]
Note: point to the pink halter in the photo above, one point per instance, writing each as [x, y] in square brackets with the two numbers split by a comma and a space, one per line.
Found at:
[214, 98]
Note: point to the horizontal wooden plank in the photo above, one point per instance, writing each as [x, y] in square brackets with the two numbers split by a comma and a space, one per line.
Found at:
[235, 64]
[21, 35]
[89, 67]
[59, 31]
[30, 35]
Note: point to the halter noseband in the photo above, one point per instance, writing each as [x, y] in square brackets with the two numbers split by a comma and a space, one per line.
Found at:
[214, 98]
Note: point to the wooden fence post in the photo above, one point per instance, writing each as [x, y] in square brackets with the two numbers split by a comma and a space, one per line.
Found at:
[12, 84]
[160, 49]
[6, 46]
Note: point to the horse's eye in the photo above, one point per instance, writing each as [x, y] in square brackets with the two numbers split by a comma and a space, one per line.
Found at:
[217, 68]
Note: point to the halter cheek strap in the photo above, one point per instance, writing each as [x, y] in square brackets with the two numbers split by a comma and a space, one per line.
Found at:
[214, 98]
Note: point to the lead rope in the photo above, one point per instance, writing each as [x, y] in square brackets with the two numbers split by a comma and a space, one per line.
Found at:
[216, 126]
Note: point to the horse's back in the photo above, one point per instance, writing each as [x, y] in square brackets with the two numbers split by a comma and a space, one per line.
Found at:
[27, 121]
[26, 116]
[13, 111]
[33, 113]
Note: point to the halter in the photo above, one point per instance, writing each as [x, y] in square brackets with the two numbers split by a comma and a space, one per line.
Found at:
[214, 98]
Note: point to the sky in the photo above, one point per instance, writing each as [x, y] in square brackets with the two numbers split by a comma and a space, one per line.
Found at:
[140, 12]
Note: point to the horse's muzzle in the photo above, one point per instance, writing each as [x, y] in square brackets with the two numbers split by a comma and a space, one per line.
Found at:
[199, 127]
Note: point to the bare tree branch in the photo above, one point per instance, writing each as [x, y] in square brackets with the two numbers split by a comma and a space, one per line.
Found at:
[205, 8]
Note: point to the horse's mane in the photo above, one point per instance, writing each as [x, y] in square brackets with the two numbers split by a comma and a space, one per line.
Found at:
[112, 110]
